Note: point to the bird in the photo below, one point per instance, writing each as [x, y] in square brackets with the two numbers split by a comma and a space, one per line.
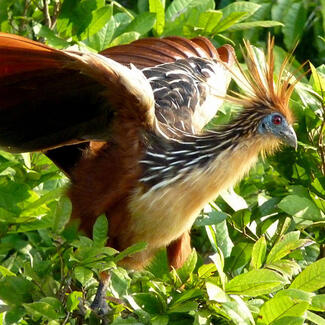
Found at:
[127, 127]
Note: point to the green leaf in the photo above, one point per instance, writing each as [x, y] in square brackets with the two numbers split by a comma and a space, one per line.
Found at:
[238, 311]
[288, 268]
[318, 302]
[219, 262]
[16, 290]
[216, 293]
[43, 309]
[240, 256]
[126, 321]
[258, 253]
[136, 248]
[99, 18]
[11, 194]
[249, 8]
[176, 8]
[234, 13]
[315, 319]
[37, 206]
[81, 19]
[281, 307]
[254, 24]
[206, 270]
[125, 38]
[187, 295]
[296, 294]
[285, 246]
[318, 79]
[142, 23]
[157, 7]
[188, 267]
[73, 300]
[184, 308]
[218, 233]
[100, 231]
[294, 22]
[82, 274]
[13, 316]
[256, 282]
[50, 36]
[148, 302]
[300, 207]
[160, 320]
[120, 282]
[62, 214]
[183, 13]
[159, 264]
[208, 20]
[5, 272]
[212, 218]
[101, 40]
[311, 278]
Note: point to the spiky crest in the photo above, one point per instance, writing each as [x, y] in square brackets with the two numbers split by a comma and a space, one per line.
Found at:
[258, 82]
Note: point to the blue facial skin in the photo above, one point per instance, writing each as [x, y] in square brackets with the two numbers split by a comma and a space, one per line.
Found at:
[277, 125]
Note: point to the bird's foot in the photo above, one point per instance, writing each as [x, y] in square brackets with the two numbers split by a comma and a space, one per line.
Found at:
[100, 305]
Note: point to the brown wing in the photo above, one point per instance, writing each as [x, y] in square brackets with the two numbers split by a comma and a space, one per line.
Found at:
[50, 98]
[45, 103]
[149, 52]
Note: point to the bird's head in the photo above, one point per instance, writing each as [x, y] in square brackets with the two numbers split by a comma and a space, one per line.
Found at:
[276, 125]
[266, 101]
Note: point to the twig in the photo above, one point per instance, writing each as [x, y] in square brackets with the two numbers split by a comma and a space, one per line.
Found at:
[56, 12]
[46, 13]
[22, 25]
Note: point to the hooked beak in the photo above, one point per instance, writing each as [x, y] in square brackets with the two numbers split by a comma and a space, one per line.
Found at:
[288, 136]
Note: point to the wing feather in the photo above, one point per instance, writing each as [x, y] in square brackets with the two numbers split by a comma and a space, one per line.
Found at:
[49, 97]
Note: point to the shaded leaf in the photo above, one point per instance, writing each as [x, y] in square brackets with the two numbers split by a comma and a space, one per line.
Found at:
[43, 309]
[100, 231]
[294, 22]
[300, 207]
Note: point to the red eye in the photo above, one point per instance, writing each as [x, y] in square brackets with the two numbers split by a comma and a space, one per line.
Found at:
[276, 119]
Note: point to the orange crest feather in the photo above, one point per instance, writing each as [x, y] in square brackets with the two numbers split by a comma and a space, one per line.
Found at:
[258, 82]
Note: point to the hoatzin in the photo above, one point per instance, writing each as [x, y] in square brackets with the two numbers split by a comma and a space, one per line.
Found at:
[126, 127]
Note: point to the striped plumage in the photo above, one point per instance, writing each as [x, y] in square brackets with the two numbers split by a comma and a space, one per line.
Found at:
[187, 92]
[154, 169]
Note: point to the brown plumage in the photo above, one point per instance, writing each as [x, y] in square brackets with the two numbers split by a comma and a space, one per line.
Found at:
[152, 170]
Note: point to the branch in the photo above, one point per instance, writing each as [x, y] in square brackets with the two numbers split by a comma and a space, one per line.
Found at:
[56, 12]
[46, 13]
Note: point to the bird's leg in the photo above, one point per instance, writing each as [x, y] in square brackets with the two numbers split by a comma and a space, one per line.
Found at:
[100, 304]
[179, 250]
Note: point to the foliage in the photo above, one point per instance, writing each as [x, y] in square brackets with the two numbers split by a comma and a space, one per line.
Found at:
[261, 253]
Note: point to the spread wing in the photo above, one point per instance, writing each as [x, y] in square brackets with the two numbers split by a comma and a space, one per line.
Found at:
[50, 98]
[189, 78]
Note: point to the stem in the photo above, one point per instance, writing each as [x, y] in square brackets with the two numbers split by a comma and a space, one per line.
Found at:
[120, 7]
[46, 13]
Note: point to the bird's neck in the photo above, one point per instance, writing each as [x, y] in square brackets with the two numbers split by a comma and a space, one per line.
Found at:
[169, 160]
